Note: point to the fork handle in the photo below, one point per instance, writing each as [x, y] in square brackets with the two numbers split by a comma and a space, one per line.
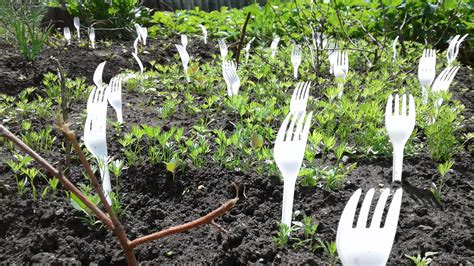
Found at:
[424, 93]
[119, 115]
[106, 184]
[288, 196]
[397, 163]
[340, 86]
[295, 71]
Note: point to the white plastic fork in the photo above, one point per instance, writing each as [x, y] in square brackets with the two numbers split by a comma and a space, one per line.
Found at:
[299, 98]
[274, 46]
[443, 81]
[394, 48]
[138, 30]
[453, 48]
[135, 45]
[223, 49]
[341, 68]
[98, 75]
[247, 49]
[184, 59]
[97, 101]
[204, 33]
[139, 62]
[332, 55]
[400, 125]
[144, 35]
[427, 71]
[115, 96]
[296, 59]
[229, 70]
[288, 153]
[184, 41]
[67, 35]
[96, 143]
[362, 245]
[92, 37]
[77, 25]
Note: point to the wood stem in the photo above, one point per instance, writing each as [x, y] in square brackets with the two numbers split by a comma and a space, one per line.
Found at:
[207, 219]
[242, 37]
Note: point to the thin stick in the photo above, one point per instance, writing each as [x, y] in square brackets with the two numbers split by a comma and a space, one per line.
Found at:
[66, 183]
[207, 219]
[242, 37]
[65, 107]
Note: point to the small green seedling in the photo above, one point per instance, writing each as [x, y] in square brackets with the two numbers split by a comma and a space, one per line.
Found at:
[53, 184]
[422, 261]
[436, 190]
[89, 218]
[283, 235]
[171, 167]
[330, 249]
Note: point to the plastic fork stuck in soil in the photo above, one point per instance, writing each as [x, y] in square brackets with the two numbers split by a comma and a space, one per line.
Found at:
[368, 245]
[288, 153]
[400, 123]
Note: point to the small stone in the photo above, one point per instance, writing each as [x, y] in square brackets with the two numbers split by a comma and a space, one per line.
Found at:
[201, 187]
[381, 185]
[425, 228]
[59, 212]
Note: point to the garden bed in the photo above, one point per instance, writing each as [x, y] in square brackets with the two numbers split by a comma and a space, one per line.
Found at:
[50, 230]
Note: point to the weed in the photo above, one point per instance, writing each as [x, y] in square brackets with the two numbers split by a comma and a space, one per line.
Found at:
[436, 190]
[422, 261]
[89, 217]
[283, 235]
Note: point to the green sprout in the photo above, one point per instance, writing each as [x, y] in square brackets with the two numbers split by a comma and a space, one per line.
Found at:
[436, 190]
[417, 260]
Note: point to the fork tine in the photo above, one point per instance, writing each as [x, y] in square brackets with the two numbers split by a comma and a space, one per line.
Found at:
[299, 127]
[101, 95]
[347, 216]
[112, 84]
[291, 128]
[307, 125]
[302, 91]
[388, 108]
[120, 84]
[282, 130]
[364, 210]
[393, 213]
[294, 96]
[412, 109]
[452, 74]
[226, 74]
[397, 105]
[441, 76]
[90, 100]
[377, 217]
[87, 126]
[307, 88]
[404, 105]
[97, 94]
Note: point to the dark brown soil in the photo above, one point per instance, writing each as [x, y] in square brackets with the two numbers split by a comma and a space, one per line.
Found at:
[50, 230]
